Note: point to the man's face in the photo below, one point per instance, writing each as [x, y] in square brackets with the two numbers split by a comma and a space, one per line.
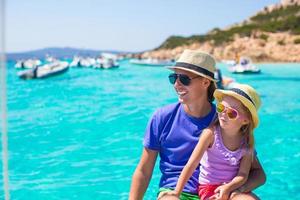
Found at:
[191, 92]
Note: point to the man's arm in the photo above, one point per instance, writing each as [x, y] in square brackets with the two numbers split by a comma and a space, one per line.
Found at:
[142, 174]
[257, 177]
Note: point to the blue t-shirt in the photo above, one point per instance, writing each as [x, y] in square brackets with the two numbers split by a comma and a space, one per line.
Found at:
[174, 134]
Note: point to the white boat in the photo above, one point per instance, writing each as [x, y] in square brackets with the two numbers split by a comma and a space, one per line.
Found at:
[28, 64]
[109, 56]
[151, 62]
[50, 59]
[45, 71]
[244, 66]
[229, 62]
[86, 62]
[75, 61]
[106, 63]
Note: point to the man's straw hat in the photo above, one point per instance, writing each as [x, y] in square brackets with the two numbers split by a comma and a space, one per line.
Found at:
[197, 62]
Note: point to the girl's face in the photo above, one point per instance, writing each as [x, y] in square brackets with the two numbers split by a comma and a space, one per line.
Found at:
[231, 113]
[192, 92]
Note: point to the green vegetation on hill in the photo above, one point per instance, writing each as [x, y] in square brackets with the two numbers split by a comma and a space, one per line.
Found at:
[175, 41]
[279, 20]
[282, 19]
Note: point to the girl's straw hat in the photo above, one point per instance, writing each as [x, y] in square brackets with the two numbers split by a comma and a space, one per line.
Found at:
[244, 93]
[197, 62]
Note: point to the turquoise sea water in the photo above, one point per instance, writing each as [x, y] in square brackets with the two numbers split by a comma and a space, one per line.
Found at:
[79, 135]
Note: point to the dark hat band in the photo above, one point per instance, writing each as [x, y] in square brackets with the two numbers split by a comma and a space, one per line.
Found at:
[195, 68]
[242, 93]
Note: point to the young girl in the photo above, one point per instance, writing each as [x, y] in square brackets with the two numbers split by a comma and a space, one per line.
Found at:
[225, 149]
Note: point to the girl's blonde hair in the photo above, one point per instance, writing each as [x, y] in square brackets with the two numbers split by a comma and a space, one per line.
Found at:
[248, 129]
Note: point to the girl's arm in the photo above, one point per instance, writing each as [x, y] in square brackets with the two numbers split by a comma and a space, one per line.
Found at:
[239, 179]
[206, 139]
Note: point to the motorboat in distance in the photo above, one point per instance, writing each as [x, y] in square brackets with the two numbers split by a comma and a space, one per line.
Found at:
[45, 71]
[244, 66]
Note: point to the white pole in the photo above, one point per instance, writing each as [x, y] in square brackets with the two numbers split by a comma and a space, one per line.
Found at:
[3, 103]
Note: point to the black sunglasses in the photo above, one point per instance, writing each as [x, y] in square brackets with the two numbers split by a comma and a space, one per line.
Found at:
[184, 79]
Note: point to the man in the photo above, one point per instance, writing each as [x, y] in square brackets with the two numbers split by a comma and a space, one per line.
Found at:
[174, 130]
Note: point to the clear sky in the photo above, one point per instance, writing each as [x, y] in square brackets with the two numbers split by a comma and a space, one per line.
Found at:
[126, 25]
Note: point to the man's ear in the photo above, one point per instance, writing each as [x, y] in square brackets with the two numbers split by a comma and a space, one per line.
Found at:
[206, 82]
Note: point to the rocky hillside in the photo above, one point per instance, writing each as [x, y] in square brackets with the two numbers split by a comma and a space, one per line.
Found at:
[273, 34]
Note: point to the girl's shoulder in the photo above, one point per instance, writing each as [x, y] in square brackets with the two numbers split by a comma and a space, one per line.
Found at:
[209, 133]
[211, 129]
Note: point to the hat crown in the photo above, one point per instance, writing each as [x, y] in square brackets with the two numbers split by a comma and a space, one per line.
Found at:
[253, 95]
[199, 59]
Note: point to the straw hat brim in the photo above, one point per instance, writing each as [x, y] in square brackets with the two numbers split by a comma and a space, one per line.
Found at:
[218, 94]
[193, 71]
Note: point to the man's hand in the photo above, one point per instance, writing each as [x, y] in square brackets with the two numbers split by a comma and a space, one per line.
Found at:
[168, 195]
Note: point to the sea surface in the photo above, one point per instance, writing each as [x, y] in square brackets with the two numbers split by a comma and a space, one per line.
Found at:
[79, 135]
